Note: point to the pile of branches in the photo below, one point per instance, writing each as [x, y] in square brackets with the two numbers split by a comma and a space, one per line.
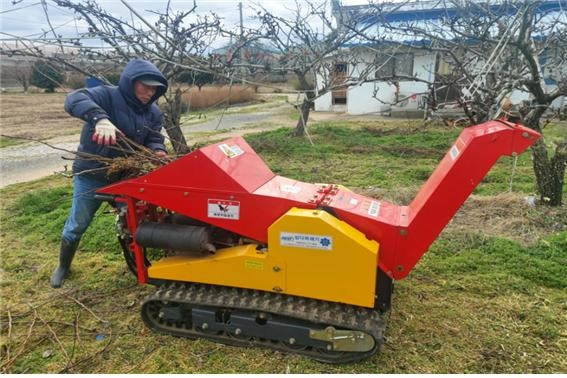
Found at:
[134, 160]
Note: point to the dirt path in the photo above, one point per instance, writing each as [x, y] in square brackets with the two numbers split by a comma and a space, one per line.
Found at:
[29, 162]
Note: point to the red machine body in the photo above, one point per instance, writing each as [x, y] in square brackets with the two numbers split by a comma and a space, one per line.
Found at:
[229, 186]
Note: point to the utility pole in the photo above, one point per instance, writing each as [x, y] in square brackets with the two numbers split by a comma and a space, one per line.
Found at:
[241, 22]
[241, 42]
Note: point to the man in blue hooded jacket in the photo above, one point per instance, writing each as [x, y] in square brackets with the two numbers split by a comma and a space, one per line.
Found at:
[109, 112]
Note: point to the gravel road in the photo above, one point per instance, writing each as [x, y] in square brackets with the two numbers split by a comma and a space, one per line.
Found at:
[32, 161]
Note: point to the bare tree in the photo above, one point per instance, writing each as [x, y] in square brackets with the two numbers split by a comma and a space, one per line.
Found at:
[176, 42]
[495, 50]
[19, 70]
[310, 43]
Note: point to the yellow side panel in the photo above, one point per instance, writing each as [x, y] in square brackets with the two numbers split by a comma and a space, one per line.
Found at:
[310, 254]
[325, 257]
[241, 266]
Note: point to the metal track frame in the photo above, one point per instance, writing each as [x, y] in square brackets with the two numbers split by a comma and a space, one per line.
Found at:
[293, 315]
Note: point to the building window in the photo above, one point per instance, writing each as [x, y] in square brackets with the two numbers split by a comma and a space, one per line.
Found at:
[341, 69]
[339, 76]
[389, 65]
[339, 98]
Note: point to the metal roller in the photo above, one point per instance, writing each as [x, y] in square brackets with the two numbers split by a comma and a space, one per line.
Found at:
[175, 237]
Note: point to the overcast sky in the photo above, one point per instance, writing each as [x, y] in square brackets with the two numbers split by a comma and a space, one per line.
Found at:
[27, 18]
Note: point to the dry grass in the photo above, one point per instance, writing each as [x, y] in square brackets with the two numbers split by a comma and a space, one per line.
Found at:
[507, 215]
[215, 96]
[39, 116]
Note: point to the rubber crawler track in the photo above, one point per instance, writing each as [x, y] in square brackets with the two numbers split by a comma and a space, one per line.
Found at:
[320, 313]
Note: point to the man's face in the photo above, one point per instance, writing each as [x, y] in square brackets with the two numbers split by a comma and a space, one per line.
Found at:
[144, 92]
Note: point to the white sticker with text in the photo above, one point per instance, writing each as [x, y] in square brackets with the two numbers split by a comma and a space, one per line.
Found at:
[223, 209]
[231, 151]
[374, 209]
[292, 239]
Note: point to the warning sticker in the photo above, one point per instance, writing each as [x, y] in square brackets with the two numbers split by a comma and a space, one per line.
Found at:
[231, 151]
[454, 152]
[223, 209]
[291, 239]
[374, 208]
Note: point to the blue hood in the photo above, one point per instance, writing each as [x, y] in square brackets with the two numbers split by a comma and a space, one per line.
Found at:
[134, 70]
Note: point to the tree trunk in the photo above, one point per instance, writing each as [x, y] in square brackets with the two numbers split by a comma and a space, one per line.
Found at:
[304, 110]
[26, 84]
[549, 173]
[172, 118]
[305, 105]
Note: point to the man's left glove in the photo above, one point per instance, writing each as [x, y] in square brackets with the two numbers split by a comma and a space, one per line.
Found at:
[160, 153]
[105, 132]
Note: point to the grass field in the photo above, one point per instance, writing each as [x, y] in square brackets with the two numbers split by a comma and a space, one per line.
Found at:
[40, 116]
[488, 297]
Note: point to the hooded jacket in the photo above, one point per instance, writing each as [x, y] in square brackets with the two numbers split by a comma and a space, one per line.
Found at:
[140, 122]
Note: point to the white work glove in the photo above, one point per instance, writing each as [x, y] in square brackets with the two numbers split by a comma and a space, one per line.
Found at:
[160, 154]
[105, 132]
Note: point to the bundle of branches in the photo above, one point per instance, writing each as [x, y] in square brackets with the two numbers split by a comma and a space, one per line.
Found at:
[136, 160]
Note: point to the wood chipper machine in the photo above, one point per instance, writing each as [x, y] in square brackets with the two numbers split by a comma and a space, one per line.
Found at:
[242, 256]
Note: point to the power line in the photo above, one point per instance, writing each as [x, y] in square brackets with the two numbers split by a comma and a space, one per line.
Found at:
[16, 9]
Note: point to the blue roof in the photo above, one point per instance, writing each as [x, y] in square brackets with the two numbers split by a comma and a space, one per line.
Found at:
[419, 11]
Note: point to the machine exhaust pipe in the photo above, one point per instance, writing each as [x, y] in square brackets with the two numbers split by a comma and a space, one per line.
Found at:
[177, 237]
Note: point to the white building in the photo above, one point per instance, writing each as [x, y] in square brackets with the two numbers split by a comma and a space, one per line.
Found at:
[373, 97]
[418, 66]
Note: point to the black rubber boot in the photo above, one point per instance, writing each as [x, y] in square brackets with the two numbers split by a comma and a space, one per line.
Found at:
[65, 258]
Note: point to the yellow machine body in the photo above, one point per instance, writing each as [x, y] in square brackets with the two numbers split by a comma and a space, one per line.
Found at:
[310, 254]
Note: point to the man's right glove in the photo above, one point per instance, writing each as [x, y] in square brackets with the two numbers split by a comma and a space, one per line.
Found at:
[105, 132]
